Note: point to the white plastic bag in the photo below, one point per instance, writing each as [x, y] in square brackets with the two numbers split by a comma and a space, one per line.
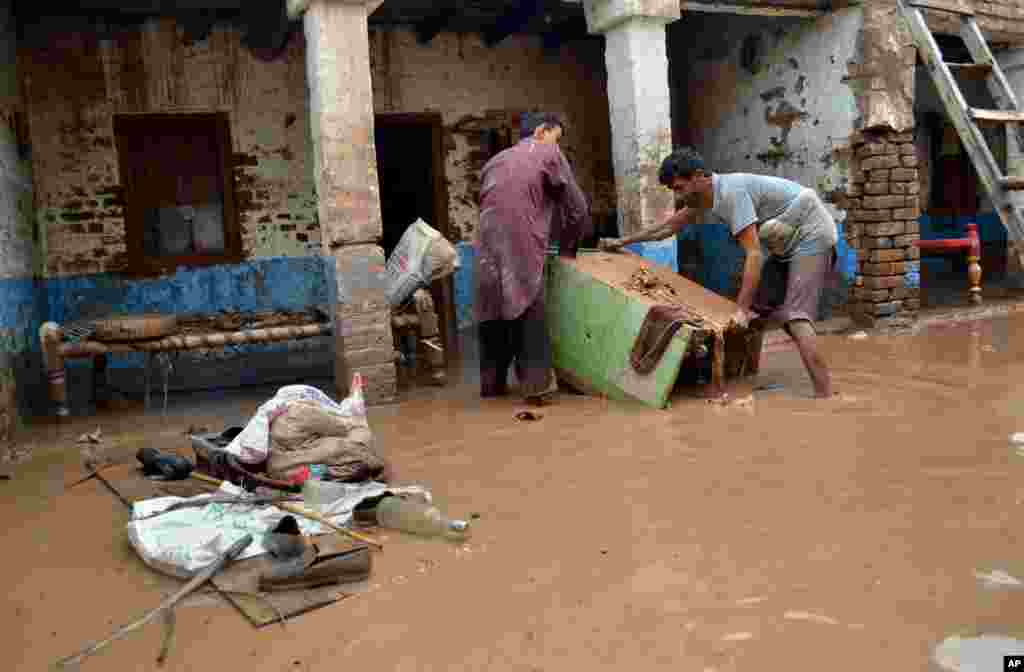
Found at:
[183, 542]
[252, 445]
[404, 267]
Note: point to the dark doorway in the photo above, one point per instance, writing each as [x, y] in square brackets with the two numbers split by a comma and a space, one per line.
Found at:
[410, 167]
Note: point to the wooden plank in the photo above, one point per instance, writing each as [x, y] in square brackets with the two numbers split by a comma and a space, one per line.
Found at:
[243, 577]
[971, 71]
[750, 10]
[997, 116]
[961, 7]
[998, 86]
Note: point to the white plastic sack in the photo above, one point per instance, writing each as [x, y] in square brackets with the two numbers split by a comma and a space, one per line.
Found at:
[404, 267]
[252, 445]
[183, 542]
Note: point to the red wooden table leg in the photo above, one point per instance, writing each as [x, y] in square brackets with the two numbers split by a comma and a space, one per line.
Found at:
[974, 263]
[50, 336]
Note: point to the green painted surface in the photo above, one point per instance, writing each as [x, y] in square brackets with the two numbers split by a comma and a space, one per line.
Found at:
[593, 327]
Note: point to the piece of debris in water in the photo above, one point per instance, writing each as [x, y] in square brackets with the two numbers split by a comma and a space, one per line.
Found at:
[859, 335]
[998, 579]
[808, 616]
[94, 458]
[985, 652]
[527, 416]
[91, 437]
[746, 601]
[1017, 437]
[738, 637]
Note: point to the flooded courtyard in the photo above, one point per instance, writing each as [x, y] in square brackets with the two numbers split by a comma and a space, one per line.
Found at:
[773, 532]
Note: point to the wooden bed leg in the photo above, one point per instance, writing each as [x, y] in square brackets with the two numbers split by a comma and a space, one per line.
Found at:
[50, 337]
[974, 263]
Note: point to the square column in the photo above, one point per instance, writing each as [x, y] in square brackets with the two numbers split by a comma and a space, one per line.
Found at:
[638, 98]
[348, 192]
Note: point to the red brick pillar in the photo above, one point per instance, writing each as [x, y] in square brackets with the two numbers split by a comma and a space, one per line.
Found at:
[348, 194]
[883, 225]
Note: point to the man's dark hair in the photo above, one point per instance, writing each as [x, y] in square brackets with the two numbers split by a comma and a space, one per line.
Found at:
[530, 121]
[683, 162]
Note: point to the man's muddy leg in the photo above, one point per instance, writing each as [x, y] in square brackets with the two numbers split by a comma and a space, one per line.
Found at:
[802, 332]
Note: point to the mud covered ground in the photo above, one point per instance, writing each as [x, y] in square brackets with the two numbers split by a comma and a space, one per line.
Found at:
[776, 532]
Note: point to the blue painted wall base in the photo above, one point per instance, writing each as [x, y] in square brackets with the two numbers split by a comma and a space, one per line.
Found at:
[661, 252]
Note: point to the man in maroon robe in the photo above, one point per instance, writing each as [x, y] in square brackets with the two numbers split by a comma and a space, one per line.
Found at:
[528, 192]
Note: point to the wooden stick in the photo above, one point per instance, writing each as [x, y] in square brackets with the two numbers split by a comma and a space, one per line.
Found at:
[93, 473]
[103, 479]
[306, 513]
[313, 515]
[205, 478]
[202, 577]
[168, 638]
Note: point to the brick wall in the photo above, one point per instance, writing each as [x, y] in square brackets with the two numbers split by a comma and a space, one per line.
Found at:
[883, 215]
[476, 88]
[75, 82]
[18, 309]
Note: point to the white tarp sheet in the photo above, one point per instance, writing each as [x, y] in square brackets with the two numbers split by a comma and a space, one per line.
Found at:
[182, 542]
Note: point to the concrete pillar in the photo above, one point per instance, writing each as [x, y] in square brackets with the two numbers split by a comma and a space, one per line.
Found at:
[638, 97]
[348, 193]
[1011, 61]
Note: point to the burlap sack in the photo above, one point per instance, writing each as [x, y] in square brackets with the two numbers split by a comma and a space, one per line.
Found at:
[309, 433]
[441, 259]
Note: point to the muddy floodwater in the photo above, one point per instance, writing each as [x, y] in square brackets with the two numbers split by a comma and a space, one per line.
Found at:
[775, 532]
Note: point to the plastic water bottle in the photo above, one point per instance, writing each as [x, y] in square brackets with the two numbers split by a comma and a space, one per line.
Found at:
[419, 517]
[319, 495]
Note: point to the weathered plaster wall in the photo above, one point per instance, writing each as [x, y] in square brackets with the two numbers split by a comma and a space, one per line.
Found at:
[768, 96]
[476, 89]
[19, 310]
[77, 79]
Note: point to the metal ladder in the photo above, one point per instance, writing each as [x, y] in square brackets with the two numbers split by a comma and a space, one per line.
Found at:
[1005, 191]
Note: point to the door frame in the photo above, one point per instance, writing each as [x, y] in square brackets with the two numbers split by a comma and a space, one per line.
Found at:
[443, 291]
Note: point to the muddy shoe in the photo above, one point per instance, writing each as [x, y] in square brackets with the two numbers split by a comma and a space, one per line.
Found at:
[285, 541]
[313, 569]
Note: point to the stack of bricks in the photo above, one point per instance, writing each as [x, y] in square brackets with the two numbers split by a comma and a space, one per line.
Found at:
[883, 225]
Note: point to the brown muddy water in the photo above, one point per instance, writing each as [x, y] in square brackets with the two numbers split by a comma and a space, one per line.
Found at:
[775, 532]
